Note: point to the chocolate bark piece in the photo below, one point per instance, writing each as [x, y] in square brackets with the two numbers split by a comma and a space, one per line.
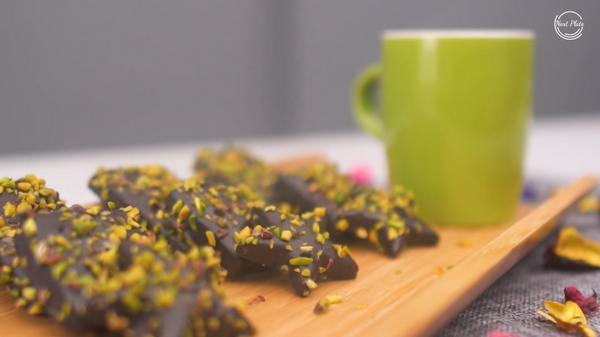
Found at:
[72, 255]
[233, 166]
[363, 208]
[27, 194]
[386, 220]
[222, 216]
[199, 309]
[145, 188]
[211, 217]
[105, 273]
[419, 234]
[295, 246]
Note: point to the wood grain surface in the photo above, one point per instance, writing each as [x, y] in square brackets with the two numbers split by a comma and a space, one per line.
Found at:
[415, 294]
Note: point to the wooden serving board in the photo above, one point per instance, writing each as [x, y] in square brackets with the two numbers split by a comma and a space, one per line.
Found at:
[415, 294]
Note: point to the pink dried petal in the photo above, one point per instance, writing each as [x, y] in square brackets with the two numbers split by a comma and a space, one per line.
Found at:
[592, 304]
[361, 174]
[500, 334]
[589, 305]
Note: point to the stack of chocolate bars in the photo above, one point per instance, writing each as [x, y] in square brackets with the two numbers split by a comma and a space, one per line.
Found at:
[149, 259]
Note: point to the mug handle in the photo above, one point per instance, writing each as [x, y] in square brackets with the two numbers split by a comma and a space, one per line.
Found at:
[366, 114]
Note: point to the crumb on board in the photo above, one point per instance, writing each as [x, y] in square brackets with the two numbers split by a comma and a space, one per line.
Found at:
[257, 299]
[398, 272]
[324, 304]
[438, 271]
[359, 307]
[465, 243]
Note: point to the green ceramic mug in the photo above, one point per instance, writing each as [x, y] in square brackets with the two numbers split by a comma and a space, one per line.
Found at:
[453, 114]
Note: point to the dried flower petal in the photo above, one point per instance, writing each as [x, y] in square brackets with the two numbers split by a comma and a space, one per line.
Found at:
[589, 204]
[589, 305]
[361, 174]
[568, 317]
[573, 250]
[499, 334]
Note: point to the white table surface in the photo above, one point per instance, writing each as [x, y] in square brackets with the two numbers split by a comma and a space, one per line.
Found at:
[560, 149]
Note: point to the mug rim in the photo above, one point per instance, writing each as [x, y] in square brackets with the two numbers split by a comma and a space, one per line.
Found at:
[458, 34]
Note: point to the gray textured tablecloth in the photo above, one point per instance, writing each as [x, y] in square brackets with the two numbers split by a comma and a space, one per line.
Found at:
[509, 305]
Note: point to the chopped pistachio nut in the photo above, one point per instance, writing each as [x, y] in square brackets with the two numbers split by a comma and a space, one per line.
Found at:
[342, 225]
[315, 228]
[184, 213]
[177, 208]
[286, 236]
[320, 239]
[301, 261]
[392, 234]
[306, 248]
[36, 309]
[361, 233]
[210, 236]
[30, 227]
[29, 293]
[9, 210]
[23, 208]
[296, 223]
[165, 298]
[24, 186]
[93, 210]
[108, 257]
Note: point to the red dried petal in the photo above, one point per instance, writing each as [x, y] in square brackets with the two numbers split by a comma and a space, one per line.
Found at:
[361, 174]
[329, 264]
[500, 334]
[589, 305]
[592, 304]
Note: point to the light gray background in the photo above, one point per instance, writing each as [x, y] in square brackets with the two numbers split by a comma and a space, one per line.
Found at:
[79, 74]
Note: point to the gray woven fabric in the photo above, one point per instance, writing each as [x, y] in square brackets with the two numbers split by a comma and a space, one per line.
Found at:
[509, 305]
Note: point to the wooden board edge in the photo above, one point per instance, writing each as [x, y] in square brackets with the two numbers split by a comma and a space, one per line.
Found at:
[299, 162]
[431, 311]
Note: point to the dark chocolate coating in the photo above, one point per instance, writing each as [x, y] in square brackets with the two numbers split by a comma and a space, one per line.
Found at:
[233, 166]
[296, 191]
[419, 234]
[41, 276]
[207, 221]
[363, 208]
[12, 273]
[175, 302]
[119, 186]
[327, 264]
[189, 307]
[7, 249]
[223, 212]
